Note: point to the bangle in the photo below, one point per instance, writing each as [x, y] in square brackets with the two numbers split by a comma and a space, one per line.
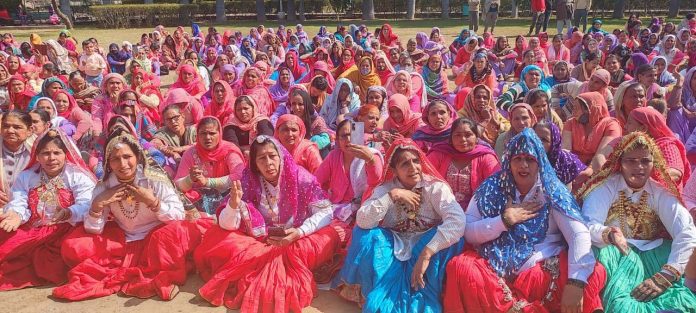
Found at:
[95, 214]
[507, 223]
[661, 280]
[605, 236]
[577, 283]
[673, 271]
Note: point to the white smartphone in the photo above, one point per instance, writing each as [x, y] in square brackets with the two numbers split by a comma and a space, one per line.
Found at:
[357, 134]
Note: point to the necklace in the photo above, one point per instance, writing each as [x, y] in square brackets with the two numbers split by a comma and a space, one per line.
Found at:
[271, 201]
[637, 212]
[130, 213]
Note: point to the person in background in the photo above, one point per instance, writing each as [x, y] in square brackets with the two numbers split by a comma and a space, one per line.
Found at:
[92, 64]
[491, 8]
[474, 14]
[582, 8]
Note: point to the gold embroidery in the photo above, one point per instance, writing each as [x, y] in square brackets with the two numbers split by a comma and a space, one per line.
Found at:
[636, 220]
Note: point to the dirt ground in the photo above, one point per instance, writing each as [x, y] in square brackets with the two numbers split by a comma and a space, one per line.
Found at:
[33, 300]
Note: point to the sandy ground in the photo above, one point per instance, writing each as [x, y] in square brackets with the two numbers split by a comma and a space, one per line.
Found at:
[32, 300]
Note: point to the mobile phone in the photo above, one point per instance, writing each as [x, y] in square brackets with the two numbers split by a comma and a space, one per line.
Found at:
[275, 231]
[357, 135]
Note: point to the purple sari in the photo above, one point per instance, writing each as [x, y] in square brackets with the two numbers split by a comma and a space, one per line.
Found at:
[566, 163]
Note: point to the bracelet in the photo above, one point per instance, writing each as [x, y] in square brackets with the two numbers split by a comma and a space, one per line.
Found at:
[95, 214]
[670, 269]
[661, 280]
[605, 235]
[507, 223]
[577, 283]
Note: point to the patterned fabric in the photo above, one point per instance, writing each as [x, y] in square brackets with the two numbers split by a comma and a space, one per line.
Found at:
[566, 163]
[510, 251]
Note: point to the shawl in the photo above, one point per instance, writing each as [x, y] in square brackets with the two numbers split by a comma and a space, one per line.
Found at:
[411, 120]
[171, 139]
[20, 100]
[435, 80]
[656, 126]
[247, 52]
[388, 72]
[298, 190]
[520, 49]
[414, 92]
[622, 116]
[542, 82]
[613, 165]
[665, 78]
[301, 149]
[387, 37]
[192, 109]
[363, 81]
[323, 67]
[279, 94]
[72, 156]
[343, 67]
[219, 154]
[507, 253]
[688, 94]
[447, 153]
[262, 97]
[223, 110]
[331, 108]
[56, 120]
[250, 125]
[566, 164]
[195, 86]
[427, 132]
[493, 127]
[585, 146]
[421, 40]
[298, 71]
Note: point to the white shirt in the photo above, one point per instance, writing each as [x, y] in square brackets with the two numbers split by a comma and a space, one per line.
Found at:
[561, 229]
[438, 207]
[322, 213]
[674, 217]
[171, 209]
[76, 181]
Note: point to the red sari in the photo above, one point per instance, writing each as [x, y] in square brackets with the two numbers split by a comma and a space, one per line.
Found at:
[20, 100]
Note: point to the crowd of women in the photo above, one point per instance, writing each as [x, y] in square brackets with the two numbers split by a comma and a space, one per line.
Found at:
[407, 175]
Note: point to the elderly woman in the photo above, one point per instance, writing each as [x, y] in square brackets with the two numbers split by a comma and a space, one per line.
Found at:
[480, 108]
[408, 228]
[291, 132]
[103, 106]
[529, 236]
[49, 198]
[174, 138]
[277, 226]
[125, 243]
[642, 232]
[15, 150]
[410, 85]
[207, 169]
[84, 93]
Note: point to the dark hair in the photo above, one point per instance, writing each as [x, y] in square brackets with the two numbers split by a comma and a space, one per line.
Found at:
[559, 36]
[207, 121]
[320, 83]
[658, 104]
[690, 15]
[535, 95]
[51, 136]
[342, 124]
[170, 108]
[188, 54]
[115, 120]
[308, 116]
[23, 117]
[464, 121]
[432, 103]
[396, 156]
[641, 70]
[51, 68]
[612, 56]
[254, 150]
[75, 74]
[45, 117]
[86, 42]
[591, 56]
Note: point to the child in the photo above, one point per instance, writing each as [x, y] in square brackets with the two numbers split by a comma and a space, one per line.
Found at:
[92, 64]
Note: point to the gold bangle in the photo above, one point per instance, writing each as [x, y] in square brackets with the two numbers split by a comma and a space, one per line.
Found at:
[661, 280]
[672, 270]
[605, 235]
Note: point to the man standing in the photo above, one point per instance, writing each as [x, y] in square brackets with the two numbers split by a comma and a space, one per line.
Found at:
[582, 7]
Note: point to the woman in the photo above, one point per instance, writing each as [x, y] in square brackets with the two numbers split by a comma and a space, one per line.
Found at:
[629, 96]
[347, 63]
[56, 121]
[539, 101]
[387, 37]
[67, 108]
[584, 71]
[645, 276]
[103, 106]
[410, 85]
[147, 89]
[222, 104]
[590, 129]
[174, 138]
[363, 76]
[521, 116]
[504, 57]
[291, 133]
[561, 74]
[531, 77]
[648, 120]
[40, 123]
[48, 88]
[190, 107]
[20, 93]
[49, 198]
[278, 230]
[245, 123]
[252, 86]
[84, 93]
[281, 89]
[664, 77]
[342, 101]
[300, 105]
[481, 72]
[569, 169]
[408, 229]
[598, 82]
[129, 107]
[438, 117]
[15, 150]
[463, 161]
[435, 78]
[545, 257]
[384, 68]
[207, 169]
[189, 80]
[480, 108]
[369, 115]
[125, 243]
[557, 51]
[320, 68]
[292, 61]
[617, 74]
[377, 96]
[4, 87]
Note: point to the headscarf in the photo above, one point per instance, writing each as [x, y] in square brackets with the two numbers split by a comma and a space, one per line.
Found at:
[72, 155]
[343, 67]
[262, 97]
[552, 80]
[542, 82]
[476, 77]
[656, 126]
[411, 120]
[434, 81]
[430, 134]
[279, 94]
[387, 37]
[324, 67]
[195, 86]
[251, 125]
[689, 95]
[388, 72]
[364, 81]
[301, 148]
[507, 253]
[613, 165]
[297, 70]
[566, 164]
[298, 189]
[55, 119]
[247, 52]
[638, 59]
[219, 154]
[330, 110]
[19, 100]
[598, 122]
[622, 116]
[470, 111]
[520, 50]
[223, 110]
[665, 78]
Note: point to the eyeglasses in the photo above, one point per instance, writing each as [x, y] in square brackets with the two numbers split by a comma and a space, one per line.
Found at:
[174, 119]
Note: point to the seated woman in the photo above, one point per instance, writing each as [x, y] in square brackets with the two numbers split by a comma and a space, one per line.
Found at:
[49, 197]
[252, 86]
[291, 133]
[438, 117]
[49, 106]
[40, 123]
[281, 90]
[347, 172]
[277, 228]
[628, 96]
[363, 76]
[103, 106]
[521, 116]
[642, 232]
[481, 72]
[48, 89]
[67, 108]
[189, 80]
[174, 138]
[245, 123]
[84, 93]
[598, 82]
[300, 104]
[408, 228]
[129, 106]
[207, 169]
[539, 101]
[616, 71]
[648, 120]
[533, 250]
[15, 150]
[480, 108]
[561, 74]
[569, 169]
[20, 93]
[191, 108]
[557, 51]
[126, 242]
[222, 101]
[435, 78]
[146, 87]
[503, 57]
[590, 130]
[340, 103]
[377, 96]
[532, 77]
[402, 122]
[369, 116]
[463, 161]
[410, 85]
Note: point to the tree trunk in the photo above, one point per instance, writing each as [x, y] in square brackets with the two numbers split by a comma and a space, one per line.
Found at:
[292, 14]
[59, 12]
[445, 9]
[302, 11]
[619, 7]
[220, 11]
[411, 9]
[261, 11]
[368, 10]
[515, 9]
[673, 8]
